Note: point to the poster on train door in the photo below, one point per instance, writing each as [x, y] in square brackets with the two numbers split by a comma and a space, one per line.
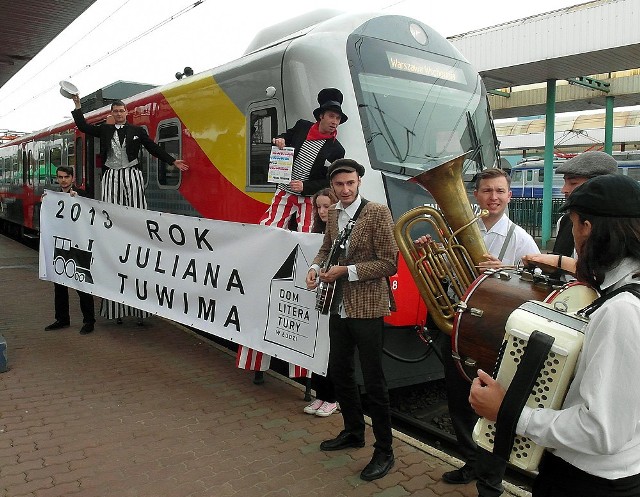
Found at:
[241, 282]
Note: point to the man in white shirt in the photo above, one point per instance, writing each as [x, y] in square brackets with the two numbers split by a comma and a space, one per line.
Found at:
[593, 441]
[506, 244]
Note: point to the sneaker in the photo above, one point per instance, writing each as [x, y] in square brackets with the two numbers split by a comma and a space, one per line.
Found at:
[326, 409]
[314, 406]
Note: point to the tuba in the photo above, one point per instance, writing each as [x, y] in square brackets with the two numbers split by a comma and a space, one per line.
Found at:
[446, 266]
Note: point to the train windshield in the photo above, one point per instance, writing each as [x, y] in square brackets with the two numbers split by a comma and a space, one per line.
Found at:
[420, 109]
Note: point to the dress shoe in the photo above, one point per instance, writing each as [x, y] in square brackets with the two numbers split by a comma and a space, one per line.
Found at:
[460, 476]
[86, 328]
[344, 440]
[56, 326]
[380, 464]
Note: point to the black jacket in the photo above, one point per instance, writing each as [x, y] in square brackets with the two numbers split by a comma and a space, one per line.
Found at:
[330, 151]
[136, 137]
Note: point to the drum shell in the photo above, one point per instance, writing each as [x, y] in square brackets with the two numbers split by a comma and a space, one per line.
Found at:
[479, 326]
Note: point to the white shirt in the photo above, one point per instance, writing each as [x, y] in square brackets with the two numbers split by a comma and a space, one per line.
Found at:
[598, 427]
[520, 244]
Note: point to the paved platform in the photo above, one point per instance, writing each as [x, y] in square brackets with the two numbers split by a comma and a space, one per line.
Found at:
[160, 412]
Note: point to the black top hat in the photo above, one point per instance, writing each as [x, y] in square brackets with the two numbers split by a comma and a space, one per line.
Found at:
[330, 99]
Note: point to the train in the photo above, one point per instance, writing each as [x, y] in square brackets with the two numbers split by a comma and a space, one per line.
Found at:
[527, 176]
[412, 99]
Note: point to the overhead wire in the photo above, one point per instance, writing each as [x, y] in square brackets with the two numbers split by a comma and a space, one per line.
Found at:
[112, 52]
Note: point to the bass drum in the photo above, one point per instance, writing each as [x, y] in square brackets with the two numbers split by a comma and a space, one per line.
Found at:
[479, 324]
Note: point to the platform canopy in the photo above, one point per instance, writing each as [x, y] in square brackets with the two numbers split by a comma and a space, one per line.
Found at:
[27, 26]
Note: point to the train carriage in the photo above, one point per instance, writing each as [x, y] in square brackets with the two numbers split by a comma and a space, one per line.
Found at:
[412, 99]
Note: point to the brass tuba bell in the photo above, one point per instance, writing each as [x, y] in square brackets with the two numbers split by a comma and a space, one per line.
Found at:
[446, 266]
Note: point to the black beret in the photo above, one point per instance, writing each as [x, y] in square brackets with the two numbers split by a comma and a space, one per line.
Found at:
[610, 195]
[345, 166]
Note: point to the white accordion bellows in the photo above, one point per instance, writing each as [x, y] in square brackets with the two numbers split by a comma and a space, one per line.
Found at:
[554, 378]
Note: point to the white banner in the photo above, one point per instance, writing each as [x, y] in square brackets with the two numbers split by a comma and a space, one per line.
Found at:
[241, 282]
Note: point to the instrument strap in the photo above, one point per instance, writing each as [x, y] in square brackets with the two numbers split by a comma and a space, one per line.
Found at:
[633, 288]
[503, 250]
[346, 232]
[527, 374]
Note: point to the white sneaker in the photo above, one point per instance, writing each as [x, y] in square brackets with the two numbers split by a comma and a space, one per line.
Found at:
[326, 409]
[314, 406]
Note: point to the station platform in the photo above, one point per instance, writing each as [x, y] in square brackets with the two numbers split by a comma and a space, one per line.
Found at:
[158, 411]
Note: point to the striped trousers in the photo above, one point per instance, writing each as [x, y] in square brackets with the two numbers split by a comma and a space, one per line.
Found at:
[123, 187]
[283, 206]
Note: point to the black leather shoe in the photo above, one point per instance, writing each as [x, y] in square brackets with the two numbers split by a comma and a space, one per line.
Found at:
[86, 328]
[459, 476]
[380, 464]
[56, 326]
[344, 440]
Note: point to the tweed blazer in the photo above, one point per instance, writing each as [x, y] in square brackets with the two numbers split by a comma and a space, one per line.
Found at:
[373, 249]
[136, 136]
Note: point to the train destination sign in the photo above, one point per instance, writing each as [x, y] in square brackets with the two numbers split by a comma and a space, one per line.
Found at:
[241, 282]
[423, 67]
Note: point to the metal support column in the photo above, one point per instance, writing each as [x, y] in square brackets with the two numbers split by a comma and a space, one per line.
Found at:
[547, 192]
[608, 125]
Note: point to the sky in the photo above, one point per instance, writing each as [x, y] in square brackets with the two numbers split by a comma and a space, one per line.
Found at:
[148, 41]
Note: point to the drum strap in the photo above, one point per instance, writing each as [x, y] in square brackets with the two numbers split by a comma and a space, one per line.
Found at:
[531, 364]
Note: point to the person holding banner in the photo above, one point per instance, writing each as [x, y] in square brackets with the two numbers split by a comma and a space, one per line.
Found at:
[325, 403]
[362, 298]
[122, 181]
[593, 440]
[315, 146]
[64, 175]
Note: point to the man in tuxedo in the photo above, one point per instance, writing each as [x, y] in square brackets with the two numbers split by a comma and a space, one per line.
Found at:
[363, 297]
[64, 175]
[122, 181]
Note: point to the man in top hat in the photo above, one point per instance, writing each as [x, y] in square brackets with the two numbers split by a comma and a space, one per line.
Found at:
[315, 147]
[593, 439]
[362, 298]
[576, 171]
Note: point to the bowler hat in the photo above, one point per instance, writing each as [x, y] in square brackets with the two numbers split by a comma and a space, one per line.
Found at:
[330, 99]
[609, 195]
[344, 166]
[589, 165]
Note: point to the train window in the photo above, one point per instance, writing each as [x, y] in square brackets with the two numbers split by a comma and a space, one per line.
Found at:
[169, 139]
[22, 175]
[42, 170]
[3, 168]
[143, 159]
[79, 162]
[264, 127]
[529, 175]
[55, 161]
[30, 168]
[634, 173]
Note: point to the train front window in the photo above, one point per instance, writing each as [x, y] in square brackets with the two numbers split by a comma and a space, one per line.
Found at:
[419, 109]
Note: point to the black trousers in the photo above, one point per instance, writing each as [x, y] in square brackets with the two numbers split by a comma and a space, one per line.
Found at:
[61, 302]
[346, 335]
[489, 469]
[324, 387]
[558, 478]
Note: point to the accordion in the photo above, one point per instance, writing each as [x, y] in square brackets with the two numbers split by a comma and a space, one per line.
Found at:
[550, 383]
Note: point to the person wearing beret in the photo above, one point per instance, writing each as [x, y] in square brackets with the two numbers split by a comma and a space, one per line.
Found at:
[315, 147]
[122, 181]
[576, 171]
[362, 298]
[593, 441]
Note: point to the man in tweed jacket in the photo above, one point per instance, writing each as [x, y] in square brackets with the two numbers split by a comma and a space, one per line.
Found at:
[363, 298]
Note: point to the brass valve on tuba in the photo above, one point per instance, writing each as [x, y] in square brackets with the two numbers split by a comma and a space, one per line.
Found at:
[446, 266]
